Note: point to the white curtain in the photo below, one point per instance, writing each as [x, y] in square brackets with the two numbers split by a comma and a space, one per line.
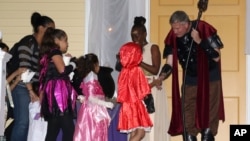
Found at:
[109, 24]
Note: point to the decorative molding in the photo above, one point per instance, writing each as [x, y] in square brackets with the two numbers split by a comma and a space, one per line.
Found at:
[176, 2]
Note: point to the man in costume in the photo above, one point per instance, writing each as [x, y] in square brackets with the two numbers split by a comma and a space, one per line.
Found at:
[196, 46]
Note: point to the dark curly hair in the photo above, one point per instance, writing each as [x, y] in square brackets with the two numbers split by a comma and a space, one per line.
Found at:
[139, 22]
[86, 64]
[48, 41]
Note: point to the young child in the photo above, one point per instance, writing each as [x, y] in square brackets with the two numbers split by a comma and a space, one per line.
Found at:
[132, 88]
[57, 94]
[93, 118]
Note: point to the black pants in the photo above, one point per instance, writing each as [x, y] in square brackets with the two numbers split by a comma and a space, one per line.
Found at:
[7, 131]
[65, 123]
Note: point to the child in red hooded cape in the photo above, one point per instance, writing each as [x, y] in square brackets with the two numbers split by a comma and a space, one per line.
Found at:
[132, 88]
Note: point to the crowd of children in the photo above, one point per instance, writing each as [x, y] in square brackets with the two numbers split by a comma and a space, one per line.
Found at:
[45, 105]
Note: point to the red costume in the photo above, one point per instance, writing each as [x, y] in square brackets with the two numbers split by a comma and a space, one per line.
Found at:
[132, 88]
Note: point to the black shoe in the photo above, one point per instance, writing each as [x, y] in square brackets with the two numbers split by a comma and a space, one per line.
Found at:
[189, 137]
[206, 135]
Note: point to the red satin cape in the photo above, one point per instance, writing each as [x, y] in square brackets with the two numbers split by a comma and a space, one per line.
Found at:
[132, 88]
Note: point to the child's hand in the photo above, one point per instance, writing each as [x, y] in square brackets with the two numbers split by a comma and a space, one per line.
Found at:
[109, 105]
[81, 98]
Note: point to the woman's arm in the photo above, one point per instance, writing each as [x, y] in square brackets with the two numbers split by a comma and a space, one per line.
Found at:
[19, 71]
[15, 77]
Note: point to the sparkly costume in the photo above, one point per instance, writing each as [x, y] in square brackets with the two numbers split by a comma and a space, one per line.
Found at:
[132, 88]
[93, 118]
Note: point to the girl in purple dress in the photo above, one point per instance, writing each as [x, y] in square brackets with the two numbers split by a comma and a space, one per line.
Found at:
[57, 94]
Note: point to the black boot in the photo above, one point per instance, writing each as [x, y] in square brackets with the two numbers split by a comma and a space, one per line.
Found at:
[189, 137]
[206, 135]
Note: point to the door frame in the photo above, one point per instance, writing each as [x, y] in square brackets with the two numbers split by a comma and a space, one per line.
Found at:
[247, 62]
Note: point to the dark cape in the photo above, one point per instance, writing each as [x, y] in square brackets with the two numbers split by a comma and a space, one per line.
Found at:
[106, 81]
[202, 116]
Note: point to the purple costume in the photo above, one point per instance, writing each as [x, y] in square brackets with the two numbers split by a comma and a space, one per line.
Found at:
[58, 98]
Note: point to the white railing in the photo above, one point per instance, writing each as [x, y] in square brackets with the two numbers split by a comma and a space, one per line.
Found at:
[4, 58]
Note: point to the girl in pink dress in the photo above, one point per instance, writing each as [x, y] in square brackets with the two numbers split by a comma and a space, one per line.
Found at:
[93, 118]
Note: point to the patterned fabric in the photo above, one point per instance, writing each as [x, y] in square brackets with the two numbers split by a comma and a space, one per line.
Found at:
[28, 54]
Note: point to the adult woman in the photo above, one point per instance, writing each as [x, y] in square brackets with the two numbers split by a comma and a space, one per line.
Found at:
[23, 93]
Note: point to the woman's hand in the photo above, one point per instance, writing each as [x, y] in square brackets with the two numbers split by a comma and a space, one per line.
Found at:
[157, 83]
[21, 70]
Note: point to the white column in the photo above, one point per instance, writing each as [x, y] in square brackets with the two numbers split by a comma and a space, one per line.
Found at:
[4, 58]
